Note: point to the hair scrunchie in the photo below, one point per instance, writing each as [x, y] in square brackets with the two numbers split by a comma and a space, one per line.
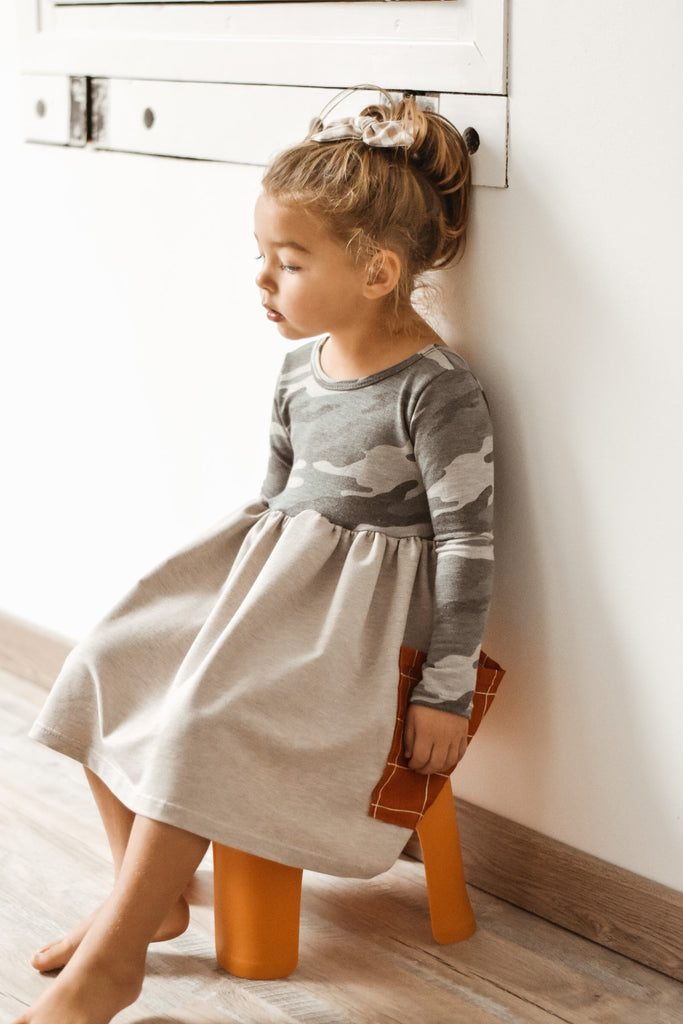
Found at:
[380, 134]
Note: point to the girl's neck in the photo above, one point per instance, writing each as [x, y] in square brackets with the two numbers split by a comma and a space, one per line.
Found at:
[348, 357]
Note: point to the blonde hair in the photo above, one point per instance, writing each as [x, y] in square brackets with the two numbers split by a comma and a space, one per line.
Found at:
[412, 200]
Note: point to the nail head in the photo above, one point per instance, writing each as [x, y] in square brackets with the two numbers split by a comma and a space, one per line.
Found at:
[472, 140]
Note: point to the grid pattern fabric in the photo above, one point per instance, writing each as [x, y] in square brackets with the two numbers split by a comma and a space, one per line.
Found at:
[402, 796]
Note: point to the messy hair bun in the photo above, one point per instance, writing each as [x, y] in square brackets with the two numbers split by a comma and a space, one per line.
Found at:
[412, 197]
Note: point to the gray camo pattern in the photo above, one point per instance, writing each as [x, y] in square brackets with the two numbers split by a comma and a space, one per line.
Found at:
[406, 452]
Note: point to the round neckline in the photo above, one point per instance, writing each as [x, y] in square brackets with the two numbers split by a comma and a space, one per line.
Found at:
[358, 382]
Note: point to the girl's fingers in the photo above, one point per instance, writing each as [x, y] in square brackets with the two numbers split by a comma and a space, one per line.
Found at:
[433, 740]
[423, 759]
[408, 738]
[421, 765]
[435, 758]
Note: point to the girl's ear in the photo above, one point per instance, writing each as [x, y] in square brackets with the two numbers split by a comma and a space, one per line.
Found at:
[383, 273]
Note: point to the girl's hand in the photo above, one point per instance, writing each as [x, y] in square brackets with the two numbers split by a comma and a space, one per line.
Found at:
[433, 740]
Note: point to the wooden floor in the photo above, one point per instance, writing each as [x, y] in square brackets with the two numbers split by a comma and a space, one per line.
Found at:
[367, 956]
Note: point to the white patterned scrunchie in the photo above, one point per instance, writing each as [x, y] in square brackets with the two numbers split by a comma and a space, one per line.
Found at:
[382, 134]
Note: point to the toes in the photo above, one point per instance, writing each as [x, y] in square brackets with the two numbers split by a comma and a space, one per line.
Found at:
[41, 957]
[51, 957]
[58, 953]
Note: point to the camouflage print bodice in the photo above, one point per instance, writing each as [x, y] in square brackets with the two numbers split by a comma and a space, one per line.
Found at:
[406, 452]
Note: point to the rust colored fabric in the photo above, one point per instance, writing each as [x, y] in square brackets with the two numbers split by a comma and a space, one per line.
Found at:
[402, 796]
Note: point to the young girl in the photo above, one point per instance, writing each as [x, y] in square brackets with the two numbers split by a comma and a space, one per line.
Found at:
[246, 690]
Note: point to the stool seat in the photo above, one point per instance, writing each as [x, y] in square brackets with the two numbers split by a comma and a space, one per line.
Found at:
[257, 902]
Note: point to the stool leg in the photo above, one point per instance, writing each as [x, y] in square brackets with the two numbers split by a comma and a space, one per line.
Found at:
[449, 905]
[256, 914]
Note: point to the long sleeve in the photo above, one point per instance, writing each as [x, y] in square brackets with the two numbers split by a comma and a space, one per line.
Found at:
[452, 437]
[280, 459]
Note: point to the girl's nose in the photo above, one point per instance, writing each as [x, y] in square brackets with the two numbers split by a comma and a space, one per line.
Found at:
[263, 280]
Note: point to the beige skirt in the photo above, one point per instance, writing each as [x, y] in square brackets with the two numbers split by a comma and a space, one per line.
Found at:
[246, 689]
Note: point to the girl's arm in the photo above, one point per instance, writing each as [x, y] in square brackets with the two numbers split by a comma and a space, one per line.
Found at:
[280, 460]
[452, 438]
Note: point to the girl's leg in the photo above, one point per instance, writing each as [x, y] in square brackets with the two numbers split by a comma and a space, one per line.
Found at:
[106, 971]
[118, 822]
[116, 818]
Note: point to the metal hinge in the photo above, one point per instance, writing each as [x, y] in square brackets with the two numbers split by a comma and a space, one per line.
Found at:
[78, 111]
[98, 110]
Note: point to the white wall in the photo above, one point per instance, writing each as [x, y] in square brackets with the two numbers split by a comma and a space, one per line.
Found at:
[574, 316]
[135, 407]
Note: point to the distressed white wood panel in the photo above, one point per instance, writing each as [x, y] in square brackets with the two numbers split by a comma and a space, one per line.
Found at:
[244, 124]
[64, 3]
[489, 116]
[46, 108]
[248, 124]
[425, 45]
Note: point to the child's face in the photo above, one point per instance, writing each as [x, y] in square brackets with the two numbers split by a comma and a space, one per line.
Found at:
[308, 282]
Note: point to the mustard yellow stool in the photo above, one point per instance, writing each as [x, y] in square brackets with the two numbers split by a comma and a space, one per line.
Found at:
[257, 902]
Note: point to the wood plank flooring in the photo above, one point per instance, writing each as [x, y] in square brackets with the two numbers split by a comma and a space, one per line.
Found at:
[367, 956]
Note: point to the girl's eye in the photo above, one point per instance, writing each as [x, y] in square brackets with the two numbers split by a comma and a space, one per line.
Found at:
[289, 269]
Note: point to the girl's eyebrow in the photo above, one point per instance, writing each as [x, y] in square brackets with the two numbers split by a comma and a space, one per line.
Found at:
[288, 245]
[292, 245]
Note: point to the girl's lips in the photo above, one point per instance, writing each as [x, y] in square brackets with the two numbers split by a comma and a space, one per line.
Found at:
[273, 314]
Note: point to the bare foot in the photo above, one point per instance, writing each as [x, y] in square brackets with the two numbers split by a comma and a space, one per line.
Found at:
[57, 954]
[90, 993]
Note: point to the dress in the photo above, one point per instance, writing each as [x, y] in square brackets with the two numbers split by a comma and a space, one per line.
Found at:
[246, 689]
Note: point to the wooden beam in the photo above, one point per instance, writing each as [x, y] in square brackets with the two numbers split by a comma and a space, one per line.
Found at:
[614, 907]
[30, 652]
